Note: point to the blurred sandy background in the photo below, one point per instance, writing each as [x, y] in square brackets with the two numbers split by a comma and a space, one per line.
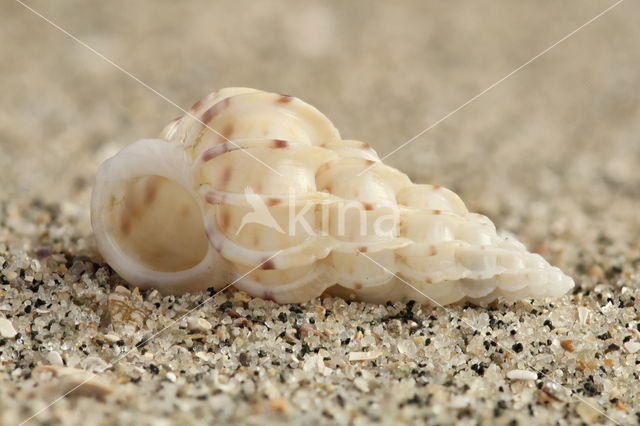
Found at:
[563, 127]
[550, 154]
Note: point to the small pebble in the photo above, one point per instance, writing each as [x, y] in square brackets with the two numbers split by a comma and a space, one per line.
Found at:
[596, 272]
[198, 324]
[612, 348]
[54, 358]
[204, 356]
[522, 375]
[583, 314]
[407, 347]
[221, 333]
[279, 405]
[80, 382]
[242, 296]
[361, 384]
[553, 390]
[632, 347]
[6, 329]
[121, 290]
[171, 376]
[567, 345]
[43, 251]
[588, 412]
[394, 327]
[111, 338]
[364, 356]
[245, 359]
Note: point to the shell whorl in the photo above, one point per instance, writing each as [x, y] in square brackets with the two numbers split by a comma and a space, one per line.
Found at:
[338, 217]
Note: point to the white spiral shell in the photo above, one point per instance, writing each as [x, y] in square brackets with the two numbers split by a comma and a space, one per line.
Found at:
[261, 189]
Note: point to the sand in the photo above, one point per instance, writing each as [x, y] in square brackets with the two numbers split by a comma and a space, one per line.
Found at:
[550, 154]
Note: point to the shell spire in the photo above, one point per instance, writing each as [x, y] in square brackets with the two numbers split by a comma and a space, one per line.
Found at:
[259, 189]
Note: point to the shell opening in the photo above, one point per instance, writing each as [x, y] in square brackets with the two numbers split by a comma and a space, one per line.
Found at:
[158, 224]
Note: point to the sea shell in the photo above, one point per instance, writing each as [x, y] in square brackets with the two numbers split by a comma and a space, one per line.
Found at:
[259, 188]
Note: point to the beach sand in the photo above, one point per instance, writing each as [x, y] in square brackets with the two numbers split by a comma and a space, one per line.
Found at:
[550, 154]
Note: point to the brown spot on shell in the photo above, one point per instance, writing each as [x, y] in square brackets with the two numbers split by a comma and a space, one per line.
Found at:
[197, 105]
[362, 249]
[369, 162]
[201, 101]
[226, 177]
[125, 222]
[428, 281]
[217, 245]
[273, 202]
[151, 190]
[433, 251]
[268, 295]
[437, 212]
[208, 115]
[209, 154]
[227, 131]
[225, 220]
[436, 187]
[212, 153]
[285, 99]
[268, 265]
[210, 197]
[368, 206]
[365, 145]
[357, 286]
[280, 143]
